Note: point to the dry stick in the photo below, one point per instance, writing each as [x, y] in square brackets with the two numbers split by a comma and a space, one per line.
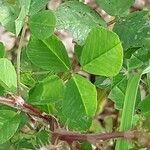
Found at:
[19, 55]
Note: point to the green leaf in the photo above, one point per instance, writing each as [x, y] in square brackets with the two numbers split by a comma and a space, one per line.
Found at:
[78, 51]
[25, 5]
[96, 127]
[144, 106]
[44, 27]
[118, 90]
[25, 144]
[2, 50]
[80, 103]
[115, 7]
[146, 70]
[27, 79]
[78, 19]
[129, 106]
[9, 123]
[8, 78]
[138, 58]
[37, 5]
[86, 146]
[130, 51]
[19, 21]
[12, 16]
[2, 91]
[48, 91]
[103, 82]
[7, 145]
[49, 54]
[133, 30]
[128, 109]
[105, 58]
[101, 101]
[4, 12]
[42, 138]
[27, 65]
[7, 17]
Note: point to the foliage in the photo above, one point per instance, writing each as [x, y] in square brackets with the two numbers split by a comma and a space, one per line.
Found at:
[52, 83]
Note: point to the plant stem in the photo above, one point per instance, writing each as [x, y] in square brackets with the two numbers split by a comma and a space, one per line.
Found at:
[18, 103]
[141, 137]
[111, 22]
[128, 109]
[19, 56]
[73, 136]
[64, 135]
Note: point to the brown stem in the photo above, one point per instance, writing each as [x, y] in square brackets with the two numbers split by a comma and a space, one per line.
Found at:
[142, 138]
[111, 22]
[36, 112]
[73, 136]
[18, 103]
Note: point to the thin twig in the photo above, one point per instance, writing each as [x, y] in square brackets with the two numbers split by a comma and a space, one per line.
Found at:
[19, 55]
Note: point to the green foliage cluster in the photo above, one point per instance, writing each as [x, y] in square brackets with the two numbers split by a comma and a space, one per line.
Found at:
[119, 59]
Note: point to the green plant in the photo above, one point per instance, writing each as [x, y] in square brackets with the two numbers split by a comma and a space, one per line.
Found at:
[45, 100]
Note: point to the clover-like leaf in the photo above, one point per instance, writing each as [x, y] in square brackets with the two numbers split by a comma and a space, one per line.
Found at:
[47, 91]
[44, 27]
[78, 19]
[115, 7]
[36, 6]
[102, 53]
[49, 54]
[134, 29]
[80, 102]
[8, 78]
[9, 123]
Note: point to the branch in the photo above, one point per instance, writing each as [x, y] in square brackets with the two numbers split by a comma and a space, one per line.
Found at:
[57, 133]
[142, 137]
[19, 55]
[73, 136]
[18, 103]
